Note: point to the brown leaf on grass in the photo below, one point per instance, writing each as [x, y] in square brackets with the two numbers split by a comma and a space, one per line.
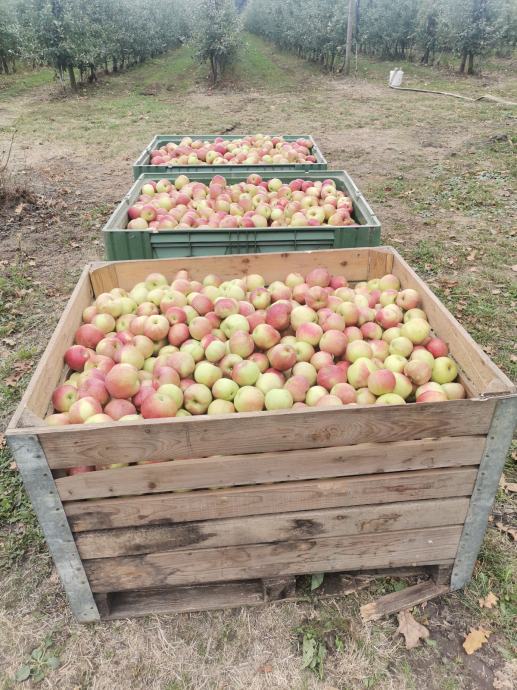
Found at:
[514, 268]
[475, 639]
[267, 668]
[19, 209]
[511, 531]
[19, 369]
[489, 601]
[412, 630]
[507, 487]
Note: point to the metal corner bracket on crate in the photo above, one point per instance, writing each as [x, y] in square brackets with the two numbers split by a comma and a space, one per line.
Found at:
[492, 463]
[39, 483]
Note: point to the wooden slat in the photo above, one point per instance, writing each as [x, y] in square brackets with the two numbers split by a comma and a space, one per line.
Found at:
[353, 263]
[403, 599]
[47, 374]
[411, 547]
[334, 522]
[478, 370]
[224, 595]
[290, 496]
[258, 468]
[380, 262]
[261, 432]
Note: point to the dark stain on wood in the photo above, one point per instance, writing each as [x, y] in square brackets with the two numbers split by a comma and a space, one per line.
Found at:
[307, 527]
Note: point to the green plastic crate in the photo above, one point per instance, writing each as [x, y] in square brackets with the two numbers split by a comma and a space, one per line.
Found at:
[123, 244]
[141, 165]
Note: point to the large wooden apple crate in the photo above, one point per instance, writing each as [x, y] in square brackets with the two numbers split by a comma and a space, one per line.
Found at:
[357, 489]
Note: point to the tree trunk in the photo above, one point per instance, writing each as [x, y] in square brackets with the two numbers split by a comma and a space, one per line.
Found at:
[5, 65]
[470, 68]
[424, 60]
[115, 68]
[349, 35]
[71, 74]
[463, 63]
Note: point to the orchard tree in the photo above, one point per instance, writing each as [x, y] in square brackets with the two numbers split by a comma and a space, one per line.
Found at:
[472, 29]
[92, 34]
[9, 37]
[217, 35]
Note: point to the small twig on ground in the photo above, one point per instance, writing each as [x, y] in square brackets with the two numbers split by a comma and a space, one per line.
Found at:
[4, 166]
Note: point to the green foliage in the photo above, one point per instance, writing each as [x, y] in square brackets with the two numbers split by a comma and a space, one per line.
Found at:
[74, 34]
[404, 29]
[315, 31]
[9, 37]
[217, 34]
[41, 662]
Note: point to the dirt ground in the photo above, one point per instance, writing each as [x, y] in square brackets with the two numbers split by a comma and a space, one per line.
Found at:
[440, 174]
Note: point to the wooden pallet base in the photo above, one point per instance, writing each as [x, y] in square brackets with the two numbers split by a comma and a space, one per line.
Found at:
[115, 605]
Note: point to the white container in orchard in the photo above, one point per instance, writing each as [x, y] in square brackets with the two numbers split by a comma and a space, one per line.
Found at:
[396, 77]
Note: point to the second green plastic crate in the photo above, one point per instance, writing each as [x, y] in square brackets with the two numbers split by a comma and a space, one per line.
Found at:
[123, 244]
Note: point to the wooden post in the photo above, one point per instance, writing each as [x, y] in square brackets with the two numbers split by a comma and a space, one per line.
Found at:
[349, 35]
[492, 462]
[40, 486]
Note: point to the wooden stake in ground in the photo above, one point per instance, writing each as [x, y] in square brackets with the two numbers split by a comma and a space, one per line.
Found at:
[349, 34]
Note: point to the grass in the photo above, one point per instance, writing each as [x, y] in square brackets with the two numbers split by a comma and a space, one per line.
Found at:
[496, 572]
[438, 173]
[24, 81]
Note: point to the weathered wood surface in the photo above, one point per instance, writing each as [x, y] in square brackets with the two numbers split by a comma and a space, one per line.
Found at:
[411, 547]
[259, 468]
[223, 595]
[352, 263]
[290, 496]
[261, 432]
[403, 599]
[334, 522]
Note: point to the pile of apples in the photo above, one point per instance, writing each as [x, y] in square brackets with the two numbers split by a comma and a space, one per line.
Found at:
[221, 347]
[255, 203]
[259, 149]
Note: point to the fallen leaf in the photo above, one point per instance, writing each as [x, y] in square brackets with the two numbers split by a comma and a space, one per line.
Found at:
[507, 487]
[489, 601]
[472, 255]
[412, 630]
[19, 209]
[475, 639]
[267, 668]
[507, 530]
[514, 268]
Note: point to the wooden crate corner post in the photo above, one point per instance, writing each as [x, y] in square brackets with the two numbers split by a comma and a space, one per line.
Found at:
[498, 441]
[40, 485]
